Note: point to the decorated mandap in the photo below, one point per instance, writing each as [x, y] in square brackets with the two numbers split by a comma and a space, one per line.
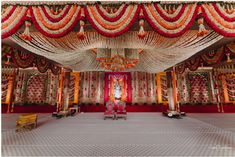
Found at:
[154, 56]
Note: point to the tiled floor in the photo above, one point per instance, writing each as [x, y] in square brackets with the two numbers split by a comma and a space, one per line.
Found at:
[142, 134]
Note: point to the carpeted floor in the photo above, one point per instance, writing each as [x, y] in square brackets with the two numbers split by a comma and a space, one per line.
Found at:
[142, 134]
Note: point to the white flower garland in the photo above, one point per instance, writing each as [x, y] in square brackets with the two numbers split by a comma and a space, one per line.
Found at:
[47, 9]
[44, 28]
[15, 21]
[113, 23]
[111, 15]
[162, 28]
[219, 25]
[170, 15]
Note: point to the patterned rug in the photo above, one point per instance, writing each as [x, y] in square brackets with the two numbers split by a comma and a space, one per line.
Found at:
[142, 134]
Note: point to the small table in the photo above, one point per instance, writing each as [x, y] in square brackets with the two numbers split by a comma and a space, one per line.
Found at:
[62, 114]
[77, 109]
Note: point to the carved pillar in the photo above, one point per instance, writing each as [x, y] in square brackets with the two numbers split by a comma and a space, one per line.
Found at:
[9, 92]
[66, 90]
[60, 90]
[171, 90]
[76, 87]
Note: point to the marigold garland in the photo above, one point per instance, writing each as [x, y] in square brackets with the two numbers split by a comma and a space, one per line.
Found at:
[169, 20]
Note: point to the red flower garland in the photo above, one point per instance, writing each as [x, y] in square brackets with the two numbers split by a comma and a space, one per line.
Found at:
[52, 19]
[23, 62]
[171, 35]
[214, 26]
[54, 35]
[9, 14]
[42, 64]
[109, 18]
[232, 19]
[175, 18]
[135, 17]
[15, 28]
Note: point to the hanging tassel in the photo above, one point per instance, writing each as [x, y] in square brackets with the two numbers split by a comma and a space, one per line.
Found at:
[202, 30]
[141, 33]
[81, 33]
[26, 35]
[8, 58]
[174, 8]
[228, 58]
[170, 9]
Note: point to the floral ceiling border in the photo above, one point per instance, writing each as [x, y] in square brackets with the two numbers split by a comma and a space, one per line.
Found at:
[210, 58]
[169, 20]
[27, 59]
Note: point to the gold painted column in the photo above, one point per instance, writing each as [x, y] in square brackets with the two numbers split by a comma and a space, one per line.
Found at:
[224, 84]
[9, 92]
[60, 90]
[171, 90]
[76, 87]
[66, 91]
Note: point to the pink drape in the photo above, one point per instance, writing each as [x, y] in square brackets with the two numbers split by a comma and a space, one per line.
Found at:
[107, 84]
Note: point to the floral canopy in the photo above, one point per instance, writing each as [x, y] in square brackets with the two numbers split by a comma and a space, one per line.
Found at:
[55, 34]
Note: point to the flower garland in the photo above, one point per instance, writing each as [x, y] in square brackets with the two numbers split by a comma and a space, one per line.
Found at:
[180, 69]
[170, 17]
[213, 57]
[55, 17]
[111, 17]
[23, 59]
[169, 20]
[115, 27]
[220, 24]
[170, 29]
[26, 60]
[55, 69]
[7, 12]
[57, 29]
[12, 20]
[42, 64]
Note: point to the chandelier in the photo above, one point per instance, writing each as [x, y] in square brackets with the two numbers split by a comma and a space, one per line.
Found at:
[117, 59]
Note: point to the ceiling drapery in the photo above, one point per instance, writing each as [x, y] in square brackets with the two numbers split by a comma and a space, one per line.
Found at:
[211, 58]
[159, 53]
[172, 20]
[24, 59]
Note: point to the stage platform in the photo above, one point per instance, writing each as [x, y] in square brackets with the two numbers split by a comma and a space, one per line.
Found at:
[142, 134]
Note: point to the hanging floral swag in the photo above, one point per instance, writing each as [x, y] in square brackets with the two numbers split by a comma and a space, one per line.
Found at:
[169, 20]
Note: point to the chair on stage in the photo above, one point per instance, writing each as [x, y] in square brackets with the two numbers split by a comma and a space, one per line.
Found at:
[121, 112]
[109, 113]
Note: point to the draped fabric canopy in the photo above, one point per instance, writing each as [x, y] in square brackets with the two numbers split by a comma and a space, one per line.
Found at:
[159, 53]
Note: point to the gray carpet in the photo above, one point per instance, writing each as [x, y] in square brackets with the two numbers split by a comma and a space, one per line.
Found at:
[142, 134]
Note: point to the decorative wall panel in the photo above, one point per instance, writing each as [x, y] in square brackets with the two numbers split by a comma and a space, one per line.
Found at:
[199, 87]
[92, 87]
[143, 87]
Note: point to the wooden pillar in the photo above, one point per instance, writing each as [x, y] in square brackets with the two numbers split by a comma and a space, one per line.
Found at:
[60, 90]
[214, 82]
[224, 85]
[174, 86]
[171, 90]
[76, 86]
[66, 91]
[9, 92]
